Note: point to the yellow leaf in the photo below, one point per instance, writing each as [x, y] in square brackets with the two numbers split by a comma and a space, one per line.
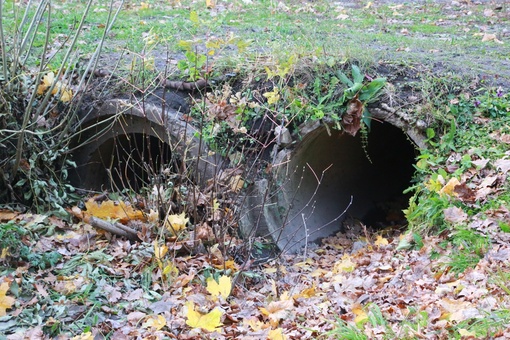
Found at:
[229, 264]
[361, 316]
[210, 321]
[465, 332]
[144, 5]
[5, 253]
[222, 287]
[236, 183]
[113, 210]
[156, 321]
[276, 334]
[272, 97]
[210, 3]
[159, 251]
[345, 265]
[66, 95]
[449, 187]
[277, 310]
[83, 336]
[381, 241]
[46, 82]
[170, 270]
[6, 302]
[175, 223]
[193, 17]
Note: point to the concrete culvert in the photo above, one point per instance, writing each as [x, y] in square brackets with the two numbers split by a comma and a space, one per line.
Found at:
[299, 209]
[124, 145]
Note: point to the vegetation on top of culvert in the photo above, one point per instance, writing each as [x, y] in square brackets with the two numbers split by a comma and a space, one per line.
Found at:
[69, 279]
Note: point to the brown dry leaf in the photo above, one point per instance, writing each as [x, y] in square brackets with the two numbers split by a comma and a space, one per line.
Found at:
[502, 165]
[7, 215]
[351, 120]
[277, 310]
[113, 210]
[464, 193]
[455, 215]
[456, 310]
[491, 37]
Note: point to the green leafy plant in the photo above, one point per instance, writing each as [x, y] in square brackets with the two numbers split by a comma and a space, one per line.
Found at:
[357, 88]
[12, 236]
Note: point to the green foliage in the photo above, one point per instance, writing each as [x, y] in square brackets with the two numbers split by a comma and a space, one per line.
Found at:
[192, 65]
[469, 248]
[13, 240]
[38, 110]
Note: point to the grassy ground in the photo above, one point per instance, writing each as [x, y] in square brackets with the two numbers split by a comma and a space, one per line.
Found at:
[445, 278]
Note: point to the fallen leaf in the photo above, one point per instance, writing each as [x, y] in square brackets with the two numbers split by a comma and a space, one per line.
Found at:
[6, 302]
[449, 188]
[156, 322]
[361, 315]
[381, 241]
[117, 210]
[276, 334]
[344, 265]
[502, 165]
[175, 223]
[277, 310]
[455, 215]
[491, 37]
[83, 336]
[209, 322]
[351, 120]
[222, 287]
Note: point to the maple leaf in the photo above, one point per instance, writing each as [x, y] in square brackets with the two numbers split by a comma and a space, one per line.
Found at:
[159, 251]
[114, 210]
[361, 315]
[345, 265]
[277, 310]
[449, 188]
[222, 287]
[46, 82]
[83, 336]
[177, 222]
[276, 334]
[381, 241]
[210, 321]
[6, 302]
[156, 322]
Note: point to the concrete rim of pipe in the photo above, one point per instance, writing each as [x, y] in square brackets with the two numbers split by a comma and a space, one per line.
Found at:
[294, 209]
[106, 127]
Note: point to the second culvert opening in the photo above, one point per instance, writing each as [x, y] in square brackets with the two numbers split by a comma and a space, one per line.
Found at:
[376, 185]
[130, 161]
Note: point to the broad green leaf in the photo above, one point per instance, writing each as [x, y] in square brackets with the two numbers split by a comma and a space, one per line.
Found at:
[357, 76]
[371, 90]
[343, 78]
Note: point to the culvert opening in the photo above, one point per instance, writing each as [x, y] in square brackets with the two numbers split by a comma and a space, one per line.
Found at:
[129, 161]
[376, 185]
